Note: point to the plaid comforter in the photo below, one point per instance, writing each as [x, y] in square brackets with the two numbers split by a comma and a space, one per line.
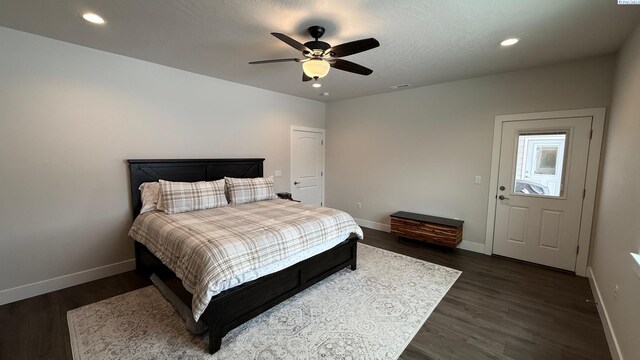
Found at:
[216, 249]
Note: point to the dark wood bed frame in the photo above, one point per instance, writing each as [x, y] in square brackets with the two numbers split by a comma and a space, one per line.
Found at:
[234, 306]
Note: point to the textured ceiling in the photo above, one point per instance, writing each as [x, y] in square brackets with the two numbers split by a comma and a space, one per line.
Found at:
[422, 41]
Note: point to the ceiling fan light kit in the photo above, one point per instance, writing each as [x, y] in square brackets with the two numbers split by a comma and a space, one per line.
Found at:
[318, 56]
[316, 68]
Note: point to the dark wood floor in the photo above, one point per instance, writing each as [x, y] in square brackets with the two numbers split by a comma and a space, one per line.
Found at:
[498, 309]
[503, 309]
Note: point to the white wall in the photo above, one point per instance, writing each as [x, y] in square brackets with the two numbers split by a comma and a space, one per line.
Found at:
[420, 149]
[617, 225]
[69, 118]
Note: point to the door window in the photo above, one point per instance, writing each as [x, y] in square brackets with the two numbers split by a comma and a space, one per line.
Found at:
[539, 167]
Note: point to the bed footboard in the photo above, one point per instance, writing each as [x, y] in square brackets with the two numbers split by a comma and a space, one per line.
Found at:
[237, 305]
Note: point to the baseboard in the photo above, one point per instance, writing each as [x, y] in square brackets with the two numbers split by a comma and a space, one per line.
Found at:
[373, 225]
[45, 286]
[614, 347]
[471, 246]
[464, 245]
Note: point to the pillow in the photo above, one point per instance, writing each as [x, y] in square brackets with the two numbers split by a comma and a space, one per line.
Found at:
[242, 191]
[178, 197]
[149, 192]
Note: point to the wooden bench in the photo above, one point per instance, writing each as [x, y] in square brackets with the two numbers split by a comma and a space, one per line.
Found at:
[430, 229]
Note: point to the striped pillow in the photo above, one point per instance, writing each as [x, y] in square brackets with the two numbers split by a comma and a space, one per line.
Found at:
[178, 197]
[241, 191]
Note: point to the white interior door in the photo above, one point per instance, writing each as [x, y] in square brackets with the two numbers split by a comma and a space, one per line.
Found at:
[307, 165]
[541, 182]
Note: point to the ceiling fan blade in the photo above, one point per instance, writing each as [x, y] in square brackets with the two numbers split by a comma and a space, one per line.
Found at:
[353, 47]
[305, 77]
[273, 61]
[291, 42]
[349, 66]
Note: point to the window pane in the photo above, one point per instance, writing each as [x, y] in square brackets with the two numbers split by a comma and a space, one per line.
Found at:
[539, 164]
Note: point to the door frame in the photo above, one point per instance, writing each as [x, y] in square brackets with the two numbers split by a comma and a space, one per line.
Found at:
[293, 128]
[591, 180]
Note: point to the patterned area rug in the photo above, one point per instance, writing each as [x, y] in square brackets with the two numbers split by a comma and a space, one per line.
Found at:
[370, 313]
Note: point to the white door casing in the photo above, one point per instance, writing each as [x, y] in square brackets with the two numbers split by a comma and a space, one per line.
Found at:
[307, 165]
[543, 229]
[597, 117]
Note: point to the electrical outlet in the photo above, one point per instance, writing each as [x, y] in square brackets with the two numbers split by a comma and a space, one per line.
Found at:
[278, 173]
[359, 205]
[616, 291]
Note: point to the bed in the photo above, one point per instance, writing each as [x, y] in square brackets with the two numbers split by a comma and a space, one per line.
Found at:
[235, 305]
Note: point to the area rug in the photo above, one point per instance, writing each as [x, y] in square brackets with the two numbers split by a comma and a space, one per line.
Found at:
[370, 313]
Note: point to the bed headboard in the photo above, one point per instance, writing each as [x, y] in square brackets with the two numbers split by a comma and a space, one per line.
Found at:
[188, 170]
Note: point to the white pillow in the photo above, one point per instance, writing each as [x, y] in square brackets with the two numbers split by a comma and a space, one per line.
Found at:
[242, 191]
[149, 192]
[177, 197]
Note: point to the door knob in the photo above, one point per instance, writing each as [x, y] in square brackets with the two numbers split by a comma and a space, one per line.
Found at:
[502, 197]
[296, 182]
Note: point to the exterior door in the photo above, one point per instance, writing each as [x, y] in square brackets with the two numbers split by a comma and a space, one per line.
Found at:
[307, 165]
[541, 182]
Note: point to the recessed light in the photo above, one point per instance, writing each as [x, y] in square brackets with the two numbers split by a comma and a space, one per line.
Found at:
[93, 18]
[509, 42]
[316, 85]
[325, 94]
[400, 86]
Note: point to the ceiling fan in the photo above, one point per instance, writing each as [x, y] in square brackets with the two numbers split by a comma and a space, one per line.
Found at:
[318, 56]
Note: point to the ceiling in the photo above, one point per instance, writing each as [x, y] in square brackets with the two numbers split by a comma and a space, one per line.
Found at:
[422, 41]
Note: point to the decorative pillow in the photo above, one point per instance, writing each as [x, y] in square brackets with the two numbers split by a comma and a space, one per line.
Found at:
[178, 197]
[149, 192]
[242, 191]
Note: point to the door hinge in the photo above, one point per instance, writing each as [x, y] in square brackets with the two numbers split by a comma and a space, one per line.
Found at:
[578, 250]
[321, 142]
[584, 193]
[320, 203]
[591, 134]
[321, 173]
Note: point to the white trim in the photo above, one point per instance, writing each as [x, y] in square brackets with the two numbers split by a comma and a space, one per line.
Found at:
[593, 164]
[591, 184]
[61, 282]
[493, 187]
[373, 225]
[612, 340]
[306, 128]
[471, 246]
[464, 245]
[293, 128]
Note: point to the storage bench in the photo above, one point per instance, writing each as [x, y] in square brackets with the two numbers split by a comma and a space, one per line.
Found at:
[430, 229]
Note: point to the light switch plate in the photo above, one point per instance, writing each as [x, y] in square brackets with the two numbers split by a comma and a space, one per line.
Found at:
[278, 173]
[478, 179]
